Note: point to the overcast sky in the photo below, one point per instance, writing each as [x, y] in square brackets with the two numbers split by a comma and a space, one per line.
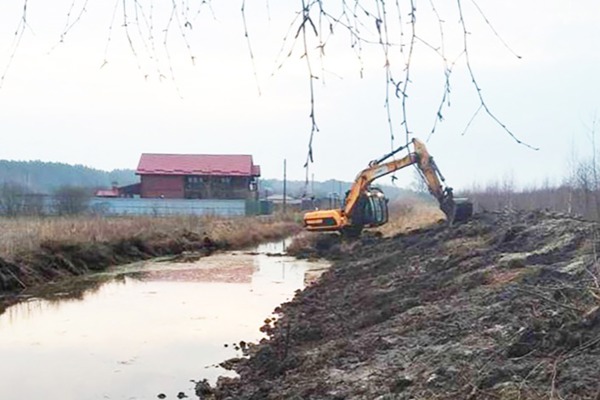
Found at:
[61, 102]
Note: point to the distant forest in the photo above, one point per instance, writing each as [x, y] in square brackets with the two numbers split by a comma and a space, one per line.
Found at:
[46, 177]
[320, 189]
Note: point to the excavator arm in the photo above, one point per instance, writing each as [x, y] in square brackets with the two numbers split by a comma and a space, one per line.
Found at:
[364, 206]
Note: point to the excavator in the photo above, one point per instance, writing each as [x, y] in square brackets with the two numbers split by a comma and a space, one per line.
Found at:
[366, 206]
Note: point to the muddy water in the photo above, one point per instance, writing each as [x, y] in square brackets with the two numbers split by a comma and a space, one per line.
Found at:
[144, 329]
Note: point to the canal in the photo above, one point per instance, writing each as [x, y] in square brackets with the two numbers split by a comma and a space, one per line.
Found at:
[144, 329]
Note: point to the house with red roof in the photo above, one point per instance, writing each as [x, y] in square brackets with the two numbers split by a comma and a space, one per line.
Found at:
[198, 176]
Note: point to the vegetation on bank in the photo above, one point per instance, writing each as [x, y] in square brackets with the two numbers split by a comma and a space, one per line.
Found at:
[37, 250]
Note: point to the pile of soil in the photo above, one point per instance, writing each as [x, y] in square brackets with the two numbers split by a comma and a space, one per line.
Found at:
[506, 306]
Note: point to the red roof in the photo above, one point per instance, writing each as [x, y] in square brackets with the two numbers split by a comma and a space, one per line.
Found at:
[114, 192]
[197, 164]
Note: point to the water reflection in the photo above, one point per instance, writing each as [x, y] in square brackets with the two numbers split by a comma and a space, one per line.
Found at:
[143, 329]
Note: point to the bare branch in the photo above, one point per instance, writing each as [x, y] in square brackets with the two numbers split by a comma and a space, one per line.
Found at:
[70, 24]
[489, 24]
[16, 41]
[390, 26]
[249, 44]
[476, 85]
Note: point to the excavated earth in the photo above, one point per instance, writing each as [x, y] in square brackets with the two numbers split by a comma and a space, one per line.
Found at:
[506, 306]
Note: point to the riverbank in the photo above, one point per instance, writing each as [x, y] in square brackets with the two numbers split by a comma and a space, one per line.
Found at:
[146, 328]
[38, 251]
[506, 306]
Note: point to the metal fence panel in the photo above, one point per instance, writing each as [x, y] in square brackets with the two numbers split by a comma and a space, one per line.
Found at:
[160, 207]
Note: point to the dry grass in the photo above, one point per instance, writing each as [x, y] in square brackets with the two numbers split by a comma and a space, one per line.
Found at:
[410, 214]
[18, 235]
[405, 216]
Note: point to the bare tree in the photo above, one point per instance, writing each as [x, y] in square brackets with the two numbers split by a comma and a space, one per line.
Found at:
[594, 169]
[418, 183]
[34, 204]
[508, 189]
[12, 199]
[71, 200]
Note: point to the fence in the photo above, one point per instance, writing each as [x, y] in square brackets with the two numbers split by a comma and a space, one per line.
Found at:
[160, 207]
[47, 205]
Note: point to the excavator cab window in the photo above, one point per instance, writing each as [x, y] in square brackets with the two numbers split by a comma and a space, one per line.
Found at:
[376, 210]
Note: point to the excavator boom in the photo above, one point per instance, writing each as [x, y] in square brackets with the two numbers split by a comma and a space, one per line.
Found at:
[367, 207]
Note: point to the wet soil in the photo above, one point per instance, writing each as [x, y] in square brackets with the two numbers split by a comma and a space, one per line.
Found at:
[505, 306]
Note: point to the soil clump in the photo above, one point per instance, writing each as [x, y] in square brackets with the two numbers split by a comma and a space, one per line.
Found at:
[505, 306]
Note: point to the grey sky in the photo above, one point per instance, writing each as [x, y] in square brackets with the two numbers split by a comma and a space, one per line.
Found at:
[58, 104]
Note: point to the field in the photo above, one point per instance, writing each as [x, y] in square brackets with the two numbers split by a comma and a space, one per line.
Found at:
[18, 235]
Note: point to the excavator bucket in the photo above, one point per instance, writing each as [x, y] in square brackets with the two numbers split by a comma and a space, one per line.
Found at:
[456, 210]
[463, 210]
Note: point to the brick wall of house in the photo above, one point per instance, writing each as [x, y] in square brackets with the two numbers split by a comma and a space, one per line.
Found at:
[167, 186]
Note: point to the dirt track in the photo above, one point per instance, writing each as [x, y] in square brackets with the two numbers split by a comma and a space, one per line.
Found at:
[503, 307]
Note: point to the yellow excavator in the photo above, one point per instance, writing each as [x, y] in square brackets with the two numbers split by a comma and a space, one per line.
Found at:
[366, 206]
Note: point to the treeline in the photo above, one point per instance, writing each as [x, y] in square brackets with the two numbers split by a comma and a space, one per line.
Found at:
[578, 194]
[45, 177]
[18, 200]
[320, 189]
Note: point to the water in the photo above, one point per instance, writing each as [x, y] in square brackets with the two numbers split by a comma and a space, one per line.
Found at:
[144, 329]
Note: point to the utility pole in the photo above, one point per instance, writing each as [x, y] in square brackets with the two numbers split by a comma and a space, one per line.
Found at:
[284, 184]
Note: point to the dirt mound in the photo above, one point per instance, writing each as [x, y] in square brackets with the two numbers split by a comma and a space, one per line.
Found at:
[506, 306]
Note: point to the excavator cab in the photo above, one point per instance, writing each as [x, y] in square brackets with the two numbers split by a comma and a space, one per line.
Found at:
[375, 211]
[371, 210]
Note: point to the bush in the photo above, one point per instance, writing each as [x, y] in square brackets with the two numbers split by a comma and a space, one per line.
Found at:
[71, 200]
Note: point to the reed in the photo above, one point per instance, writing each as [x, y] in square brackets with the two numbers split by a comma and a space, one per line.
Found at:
[27, 234]
[410, 214]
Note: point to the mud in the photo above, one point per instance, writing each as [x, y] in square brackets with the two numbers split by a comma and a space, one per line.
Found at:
[506, 306]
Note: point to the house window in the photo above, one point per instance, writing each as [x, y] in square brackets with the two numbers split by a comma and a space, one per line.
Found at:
[253, 185]
[226, 180]
[193, 182]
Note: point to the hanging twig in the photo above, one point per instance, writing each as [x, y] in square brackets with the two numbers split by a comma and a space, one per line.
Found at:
[482, 102]
[249, 44]
[16, 41]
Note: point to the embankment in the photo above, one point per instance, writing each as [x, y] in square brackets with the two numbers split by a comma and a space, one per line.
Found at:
[506, 306]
